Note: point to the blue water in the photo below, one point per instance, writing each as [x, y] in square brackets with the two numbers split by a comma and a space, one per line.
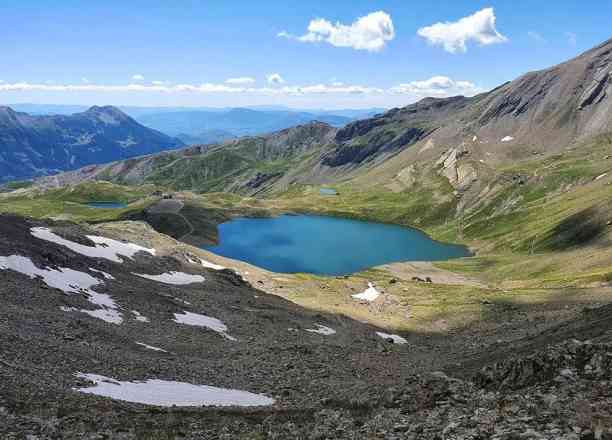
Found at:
[325, 245]
[107, 205]
[328, 192]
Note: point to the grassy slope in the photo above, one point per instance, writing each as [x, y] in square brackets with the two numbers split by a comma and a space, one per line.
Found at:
[70, 203]
[543, 242]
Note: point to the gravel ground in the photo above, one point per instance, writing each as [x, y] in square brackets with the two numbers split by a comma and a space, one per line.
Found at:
[351, 384]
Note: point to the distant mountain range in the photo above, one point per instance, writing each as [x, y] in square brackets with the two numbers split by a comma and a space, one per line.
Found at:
[32, 145]
[205, 125]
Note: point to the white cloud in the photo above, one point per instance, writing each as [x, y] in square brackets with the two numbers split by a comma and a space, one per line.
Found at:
[1, 81]
[536, 36]
[138, 77]
[437, 86]
[159, 83]
[572, 38]
[85, 80]
[275, 78]
[453, 36]
[240, 80]
[371, 32]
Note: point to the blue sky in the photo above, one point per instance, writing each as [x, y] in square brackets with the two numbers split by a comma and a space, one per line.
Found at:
[363, 53]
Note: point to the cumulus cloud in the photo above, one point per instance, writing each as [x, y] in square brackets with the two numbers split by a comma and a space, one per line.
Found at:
[85, 80]
[159, 83]
[275, 78]
[240, 80]
[371, 32]
[437, 86]
[138, 77]
[454, 36]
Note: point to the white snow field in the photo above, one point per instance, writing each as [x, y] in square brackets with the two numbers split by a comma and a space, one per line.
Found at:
[150, 347]
[174, 278]
[197, 320]
[397, 339]
[168, 393]
[104, 247]
[68, 281]
[322, 330]
[370, 294]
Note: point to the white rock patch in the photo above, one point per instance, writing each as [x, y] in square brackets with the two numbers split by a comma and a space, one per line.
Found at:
[150, 347]
[198, 320]
[370, 294]
[105, 247]
[168, 393]
[140, 318]
[68, 281]
[507, 139]
[175, 278]
[397, 339]
[322, 330]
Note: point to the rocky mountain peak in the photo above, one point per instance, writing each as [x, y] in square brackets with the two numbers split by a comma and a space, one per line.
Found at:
[108, 114]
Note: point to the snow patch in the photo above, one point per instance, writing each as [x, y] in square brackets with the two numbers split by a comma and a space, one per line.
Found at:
[370, 294]
[198, 320]
[322, 330]
[68, 281]
[507, 139]
[601, 176]
[139, 317]
[106, 276]
[150, 347]
[106, 315]
[206, 264]
[175, 278]
[104, 247]
[397, 339]
[168, 393]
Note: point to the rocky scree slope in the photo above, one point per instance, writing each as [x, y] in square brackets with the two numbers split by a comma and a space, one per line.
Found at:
[41, 145]
[82, 308]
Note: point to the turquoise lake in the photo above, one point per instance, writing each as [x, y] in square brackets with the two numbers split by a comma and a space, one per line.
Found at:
[107, 205]
[325, 245]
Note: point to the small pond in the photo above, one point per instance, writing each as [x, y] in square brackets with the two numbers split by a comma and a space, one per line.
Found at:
[325, 245]
[328, 192]
[107, 205]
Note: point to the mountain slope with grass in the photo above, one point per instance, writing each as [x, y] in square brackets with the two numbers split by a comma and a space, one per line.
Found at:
[467, 142]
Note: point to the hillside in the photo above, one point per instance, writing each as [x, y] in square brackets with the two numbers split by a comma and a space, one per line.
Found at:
[465, 141]
[120, 311]
[105, 326]
[42, 145]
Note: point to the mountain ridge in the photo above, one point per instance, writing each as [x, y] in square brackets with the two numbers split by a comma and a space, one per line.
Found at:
[40, 145]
